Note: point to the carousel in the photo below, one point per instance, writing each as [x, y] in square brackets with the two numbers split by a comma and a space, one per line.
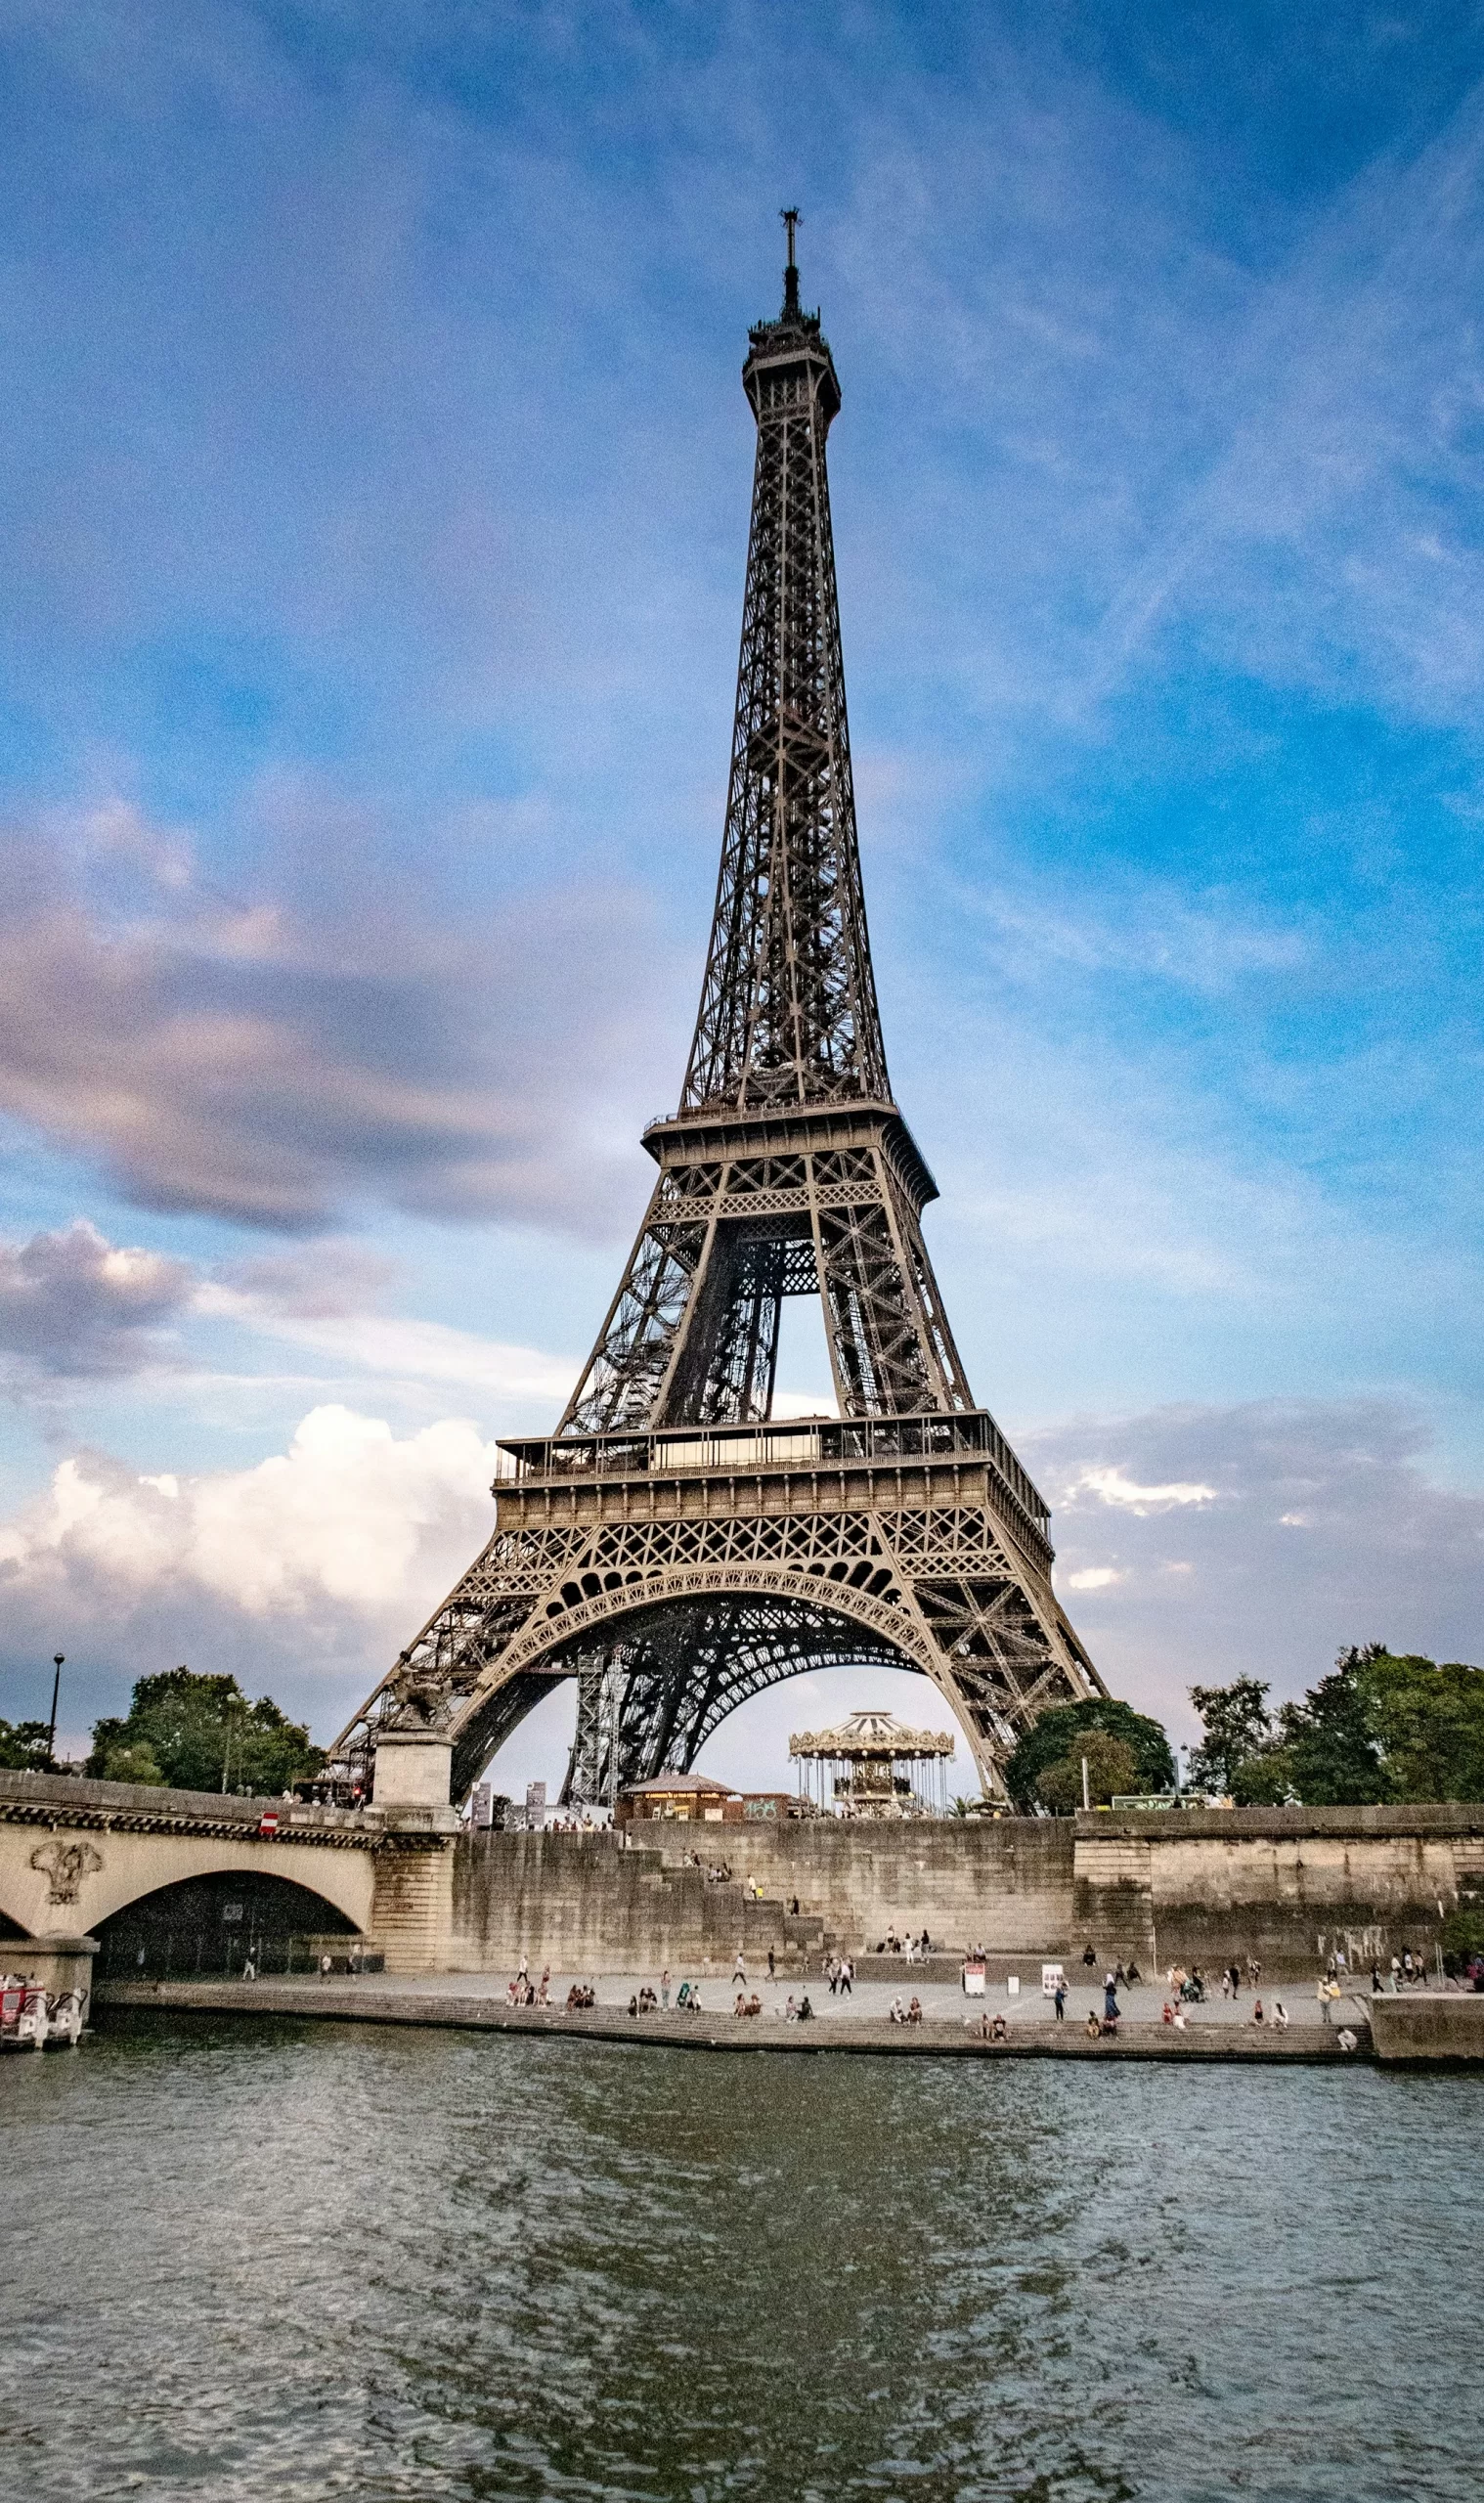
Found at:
[872, 1765]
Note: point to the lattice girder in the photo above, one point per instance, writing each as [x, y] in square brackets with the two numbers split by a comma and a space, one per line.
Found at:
[936, 1589]
[693, 1334]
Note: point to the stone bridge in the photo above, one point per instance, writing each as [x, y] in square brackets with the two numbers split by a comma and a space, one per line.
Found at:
[74, 1855]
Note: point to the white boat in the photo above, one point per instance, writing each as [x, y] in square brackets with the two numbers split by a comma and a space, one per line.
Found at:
[29, 2018]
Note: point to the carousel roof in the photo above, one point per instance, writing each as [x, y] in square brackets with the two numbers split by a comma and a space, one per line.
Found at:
[870, 1734]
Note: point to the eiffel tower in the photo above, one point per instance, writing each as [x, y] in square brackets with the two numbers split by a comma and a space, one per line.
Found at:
[672, 1544]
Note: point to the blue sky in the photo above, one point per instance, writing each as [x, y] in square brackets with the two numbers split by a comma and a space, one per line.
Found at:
[372, 536]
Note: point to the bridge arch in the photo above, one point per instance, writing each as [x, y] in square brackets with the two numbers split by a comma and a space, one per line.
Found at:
[212, 1922]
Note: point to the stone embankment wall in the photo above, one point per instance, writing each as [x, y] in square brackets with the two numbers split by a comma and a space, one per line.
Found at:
[1288, 1885]
[581, 1901]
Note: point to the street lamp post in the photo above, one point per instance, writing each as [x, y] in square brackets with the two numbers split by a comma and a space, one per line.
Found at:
[51, 1737]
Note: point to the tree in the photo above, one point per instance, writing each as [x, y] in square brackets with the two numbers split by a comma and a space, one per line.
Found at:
[132, 1763]
[1329, 1741]
[198, 1732]
[25, 1746]
[1058, 1735]
[1110, 1768]
[1237, 1724]
[1428, 1721]
[1382, 1726]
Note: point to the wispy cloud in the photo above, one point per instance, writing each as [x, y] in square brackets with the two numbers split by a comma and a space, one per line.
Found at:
[418, 1351]
[273, 1064]
[1208, 1578]
[75, 1305]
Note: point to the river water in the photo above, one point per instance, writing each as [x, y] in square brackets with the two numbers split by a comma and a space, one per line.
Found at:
[290, 2259]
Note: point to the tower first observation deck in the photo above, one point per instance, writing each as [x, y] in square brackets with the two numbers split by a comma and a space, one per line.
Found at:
[671, 1544]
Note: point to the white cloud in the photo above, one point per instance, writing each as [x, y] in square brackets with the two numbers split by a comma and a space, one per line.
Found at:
[341, 1518]
[1111, 1486]
[1094, 1578]
[303, 1575]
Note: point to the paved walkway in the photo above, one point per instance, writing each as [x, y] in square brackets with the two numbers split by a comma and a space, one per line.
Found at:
[944, 2003]
[450, 2000]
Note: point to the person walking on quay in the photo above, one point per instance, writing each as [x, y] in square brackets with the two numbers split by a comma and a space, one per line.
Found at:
[847, 1977]
[1396, 1972]
[1233, 1975]
[771, 1968]
[1059, 2002]
[1111, 1999]
[832, 1974]
[665, 1990]
[739, 1968]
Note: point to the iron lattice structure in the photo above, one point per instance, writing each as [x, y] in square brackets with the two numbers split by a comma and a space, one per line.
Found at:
[671, 1544]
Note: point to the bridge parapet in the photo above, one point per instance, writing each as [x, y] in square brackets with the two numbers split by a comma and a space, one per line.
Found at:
[136, 1807]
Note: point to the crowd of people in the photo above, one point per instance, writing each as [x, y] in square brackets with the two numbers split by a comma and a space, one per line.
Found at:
[1184, 1989]
[524, 1993]
[916, 1950]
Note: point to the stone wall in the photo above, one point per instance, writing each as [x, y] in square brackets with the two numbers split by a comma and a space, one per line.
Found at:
[1287, 1885]
[581, 1902]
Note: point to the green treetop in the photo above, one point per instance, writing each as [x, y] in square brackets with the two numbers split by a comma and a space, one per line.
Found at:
[25, 1746]
[1059, 1738]
[198, 1732]
[1380, 1726]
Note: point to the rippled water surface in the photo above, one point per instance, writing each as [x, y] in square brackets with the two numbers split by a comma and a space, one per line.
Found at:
[291, 2260]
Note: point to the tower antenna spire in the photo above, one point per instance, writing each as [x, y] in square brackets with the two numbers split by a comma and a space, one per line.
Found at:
[792, 221]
